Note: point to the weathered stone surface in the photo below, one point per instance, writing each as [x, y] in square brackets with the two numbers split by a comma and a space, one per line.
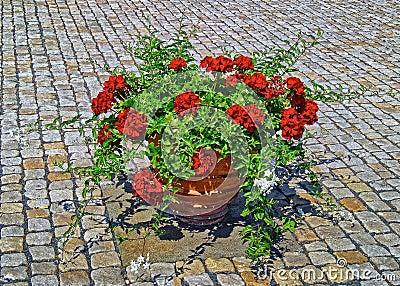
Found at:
[352, 257]
[305, 235]
[11, 244]
[353, 204]
[219, 265]
[230, 280]
[321, 258]
[198, 280]
[295, 259]
[193, 267]
[105, 259]
[74, 278]
[107, 275]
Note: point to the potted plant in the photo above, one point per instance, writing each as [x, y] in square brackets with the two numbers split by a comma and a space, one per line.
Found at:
[209, 130]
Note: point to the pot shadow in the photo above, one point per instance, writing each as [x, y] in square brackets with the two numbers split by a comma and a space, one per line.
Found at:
[290, 201]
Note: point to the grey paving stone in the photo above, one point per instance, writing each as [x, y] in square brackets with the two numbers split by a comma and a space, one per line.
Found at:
[38, 224]
[13, 259]
[321, 258]
[12, 231]
[44, 280]
[39, 238]
[340, 244]
[40, 253]
[230, 280]
[107, 275]
[374, 250]
[197, 280]
[162, 269]
[14, 273]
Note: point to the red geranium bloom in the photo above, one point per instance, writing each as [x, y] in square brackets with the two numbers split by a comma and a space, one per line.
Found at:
[132, 124]
[115, 82]
[295, 84]
[203, 161]
[256, 81]
[221, 64]
[274, 88]
[292, 124]
[104, 134]
[205, 62]
[243, 62]
[177, 64]
[103, 102]
[147, 187]
[186, 100]
[249, 116]
[309, 114]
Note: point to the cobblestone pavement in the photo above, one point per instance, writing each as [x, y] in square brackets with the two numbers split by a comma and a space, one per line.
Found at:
[46, 72]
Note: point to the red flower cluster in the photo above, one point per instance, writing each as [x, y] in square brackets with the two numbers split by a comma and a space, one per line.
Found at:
[147, 187]
[177, 64]
[220, 64]
[293, 122]
[243, 63]
[274, 88]
[186, 100]
[203, 161]
[103, 102]
[309, 113]
[132, 124]
[250, 116]
[256, 81]
[112, 90]
[297, 100]
[104, 134]
[114, 83]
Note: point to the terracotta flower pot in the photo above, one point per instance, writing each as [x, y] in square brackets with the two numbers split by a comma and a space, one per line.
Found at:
[205, 200]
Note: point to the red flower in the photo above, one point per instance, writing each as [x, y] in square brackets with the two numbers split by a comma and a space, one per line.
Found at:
[221, 64]
[132, 124]
[177, 64]
[292, 124]
[186, 100]
[295, 84]
[203, 161]
[249, 116]
[309, 114]
[243, 62]
[205, 62]
[104, 134]
[256, 81]
[114, 83]
[273, 89]
[147, 187]
[103, 102]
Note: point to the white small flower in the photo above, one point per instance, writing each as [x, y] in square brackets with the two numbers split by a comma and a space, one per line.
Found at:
[264, 185]
[140, 259]
[146, 265]
[134, 267]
